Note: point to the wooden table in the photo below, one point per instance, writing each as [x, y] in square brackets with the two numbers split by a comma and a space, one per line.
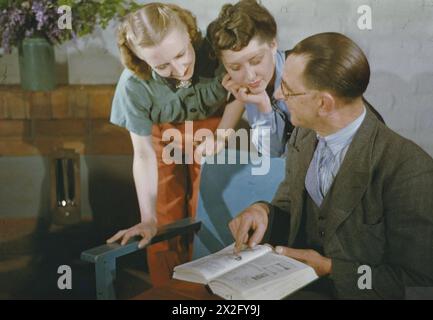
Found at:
[183, 290]
[178, 290]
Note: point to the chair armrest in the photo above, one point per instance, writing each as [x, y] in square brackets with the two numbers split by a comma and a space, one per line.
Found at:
[115, 250]
[104, 257]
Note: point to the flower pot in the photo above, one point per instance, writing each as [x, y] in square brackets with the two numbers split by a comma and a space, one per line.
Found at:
[37, 64]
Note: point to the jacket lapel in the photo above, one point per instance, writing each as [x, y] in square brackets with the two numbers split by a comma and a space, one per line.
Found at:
[302, 148]
[349, 185]
[353, 177]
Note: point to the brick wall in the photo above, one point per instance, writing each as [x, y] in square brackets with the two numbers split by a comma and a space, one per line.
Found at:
[399, 48]
[35, 123]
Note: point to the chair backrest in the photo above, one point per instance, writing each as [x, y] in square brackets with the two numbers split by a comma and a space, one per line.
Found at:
[225, 190]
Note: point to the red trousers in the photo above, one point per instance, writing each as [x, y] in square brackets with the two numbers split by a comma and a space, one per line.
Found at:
[178, 188]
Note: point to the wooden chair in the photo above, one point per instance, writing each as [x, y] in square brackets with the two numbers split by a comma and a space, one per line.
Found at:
[225, 190]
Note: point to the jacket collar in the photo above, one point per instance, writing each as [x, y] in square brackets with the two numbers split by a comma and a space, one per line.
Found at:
[350, 183]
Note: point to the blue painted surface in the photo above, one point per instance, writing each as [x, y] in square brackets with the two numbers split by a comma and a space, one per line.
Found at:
[225, 190]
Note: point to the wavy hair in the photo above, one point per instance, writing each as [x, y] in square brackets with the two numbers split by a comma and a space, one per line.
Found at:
[147, 27]
[238, 23]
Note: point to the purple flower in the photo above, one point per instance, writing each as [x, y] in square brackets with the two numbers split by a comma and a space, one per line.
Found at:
[5, 41]
[26, 18]
[29, 32]
[41, 14]
[16, 17]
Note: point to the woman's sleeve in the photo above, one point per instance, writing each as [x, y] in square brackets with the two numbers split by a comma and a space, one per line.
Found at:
[130, 107]
[269, 133]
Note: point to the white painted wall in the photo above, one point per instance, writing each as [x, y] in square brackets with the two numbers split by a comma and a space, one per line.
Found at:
[399, 48]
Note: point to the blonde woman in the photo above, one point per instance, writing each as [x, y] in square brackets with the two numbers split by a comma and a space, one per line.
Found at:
[168, 80]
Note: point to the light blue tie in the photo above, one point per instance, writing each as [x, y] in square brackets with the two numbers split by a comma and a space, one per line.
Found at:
[319, 176]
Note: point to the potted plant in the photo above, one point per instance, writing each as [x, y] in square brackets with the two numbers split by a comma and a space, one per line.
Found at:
[33, 27]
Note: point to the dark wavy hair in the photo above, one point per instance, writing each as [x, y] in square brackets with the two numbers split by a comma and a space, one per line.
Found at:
[238, 23]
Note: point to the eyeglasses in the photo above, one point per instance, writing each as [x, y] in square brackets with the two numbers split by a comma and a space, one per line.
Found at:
[288, 94]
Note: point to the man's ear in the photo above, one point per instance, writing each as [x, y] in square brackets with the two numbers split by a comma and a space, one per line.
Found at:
[327, 104]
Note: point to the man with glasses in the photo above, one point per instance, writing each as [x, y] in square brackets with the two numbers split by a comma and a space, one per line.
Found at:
[356, 195]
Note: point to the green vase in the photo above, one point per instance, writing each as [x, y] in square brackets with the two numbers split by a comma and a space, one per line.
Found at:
[37, 64]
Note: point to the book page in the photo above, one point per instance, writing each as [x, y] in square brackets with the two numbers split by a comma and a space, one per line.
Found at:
[265, 270]
[222, 261]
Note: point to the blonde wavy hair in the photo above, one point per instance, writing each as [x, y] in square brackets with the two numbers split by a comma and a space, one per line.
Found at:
[147, 27]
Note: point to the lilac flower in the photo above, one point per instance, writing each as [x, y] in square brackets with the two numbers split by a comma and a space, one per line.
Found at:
[42, 13]
[5, 41]
[27, 18]
[29, 32]
[17, 17]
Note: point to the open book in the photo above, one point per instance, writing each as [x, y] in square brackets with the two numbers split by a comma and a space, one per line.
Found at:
[256, 273]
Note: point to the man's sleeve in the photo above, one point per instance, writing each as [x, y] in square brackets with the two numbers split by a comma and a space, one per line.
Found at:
[408, 262]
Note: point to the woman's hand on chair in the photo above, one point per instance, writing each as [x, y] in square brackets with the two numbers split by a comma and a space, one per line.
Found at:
[146, 230]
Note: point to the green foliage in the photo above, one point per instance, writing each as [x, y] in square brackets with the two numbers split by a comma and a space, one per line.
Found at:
[88, 14]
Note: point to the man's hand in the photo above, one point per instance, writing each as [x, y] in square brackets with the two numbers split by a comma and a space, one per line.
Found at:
[144, 229]
[242, 94]
[322, 265]
[254, 218]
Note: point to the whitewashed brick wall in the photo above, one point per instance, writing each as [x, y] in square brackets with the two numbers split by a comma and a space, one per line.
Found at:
[399, 48]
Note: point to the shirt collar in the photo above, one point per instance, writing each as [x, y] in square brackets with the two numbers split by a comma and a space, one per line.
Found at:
[279, 65]
[280, 57]
[343, 137]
